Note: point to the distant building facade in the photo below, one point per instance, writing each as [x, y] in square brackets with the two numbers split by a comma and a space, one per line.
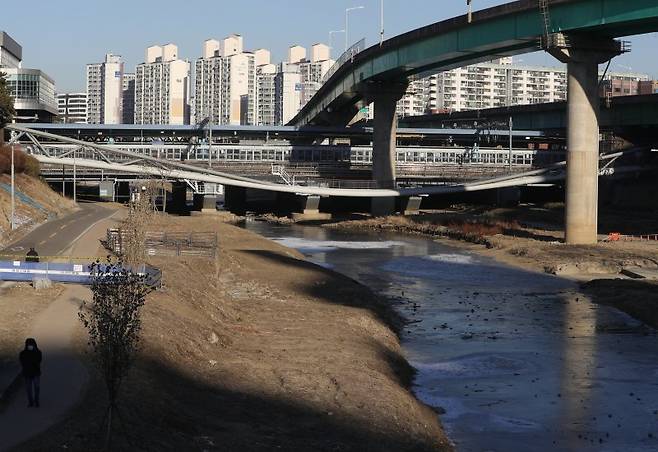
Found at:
[162, 87]
[72, 108]
[225, 82]
[105, 91]
[128, 98]
[11, 52]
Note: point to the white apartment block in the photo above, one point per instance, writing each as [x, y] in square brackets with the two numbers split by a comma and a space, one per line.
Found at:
[225, 82]
[105, 91]
[72, 108]
[288, 92]
[162, 87]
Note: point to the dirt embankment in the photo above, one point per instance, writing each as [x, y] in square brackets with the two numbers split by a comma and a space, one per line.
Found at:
[35, 202]
[260, 350]
[530, 237]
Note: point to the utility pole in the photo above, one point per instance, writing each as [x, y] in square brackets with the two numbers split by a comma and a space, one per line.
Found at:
[470, 11]
[13, 201]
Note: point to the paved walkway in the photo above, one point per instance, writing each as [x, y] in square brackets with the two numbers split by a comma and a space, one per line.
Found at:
[64, 376]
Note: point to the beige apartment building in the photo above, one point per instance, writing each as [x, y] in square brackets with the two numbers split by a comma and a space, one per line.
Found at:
[162, 87]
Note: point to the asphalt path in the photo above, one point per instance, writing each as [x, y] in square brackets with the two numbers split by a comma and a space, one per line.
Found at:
[56, 236]
[64, 377]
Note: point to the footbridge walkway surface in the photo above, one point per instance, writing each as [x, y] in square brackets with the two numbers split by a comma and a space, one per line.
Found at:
[64, 377]
[509, 29]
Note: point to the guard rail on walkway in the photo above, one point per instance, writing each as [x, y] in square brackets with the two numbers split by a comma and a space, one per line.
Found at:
[64, 273]
[158, 243]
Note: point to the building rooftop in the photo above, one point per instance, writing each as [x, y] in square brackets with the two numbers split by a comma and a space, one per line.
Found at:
[10, 45]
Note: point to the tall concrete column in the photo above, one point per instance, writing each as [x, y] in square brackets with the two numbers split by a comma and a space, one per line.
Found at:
[582, 193]
[583, 54]
[385, 97]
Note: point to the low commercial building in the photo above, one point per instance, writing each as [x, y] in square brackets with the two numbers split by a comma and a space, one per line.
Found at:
[34, 94]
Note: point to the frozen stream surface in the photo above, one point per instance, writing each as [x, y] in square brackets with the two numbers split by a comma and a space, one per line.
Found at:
[517, 360]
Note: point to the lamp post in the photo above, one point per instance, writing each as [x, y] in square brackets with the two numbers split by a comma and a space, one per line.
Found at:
[381, 22]
[331, 38]
[13, 208]
[347, 23]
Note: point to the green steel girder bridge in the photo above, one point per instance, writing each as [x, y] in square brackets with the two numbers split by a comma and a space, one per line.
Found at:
[580, 33]
[506, 30]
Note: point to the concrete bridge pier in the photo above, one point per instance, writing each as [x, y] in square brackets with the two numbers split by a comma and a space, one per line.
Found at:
[385, 97]
[205, 203]
[178, 197]
[235, 199]
[310, 206]
[582, 54]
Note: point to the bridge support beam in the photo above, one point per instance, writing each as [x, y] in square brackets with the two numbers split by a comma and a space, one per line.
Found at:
[582, 55]
[385, 97]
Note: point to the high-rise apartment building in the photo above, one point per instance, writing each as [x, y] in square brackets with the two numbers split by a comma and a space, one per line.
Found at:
[128, 98]
[297, 80]
[105, 91]
[162, 87]
[11, 52]
[225, 82]
[72, 108]
[288, 92]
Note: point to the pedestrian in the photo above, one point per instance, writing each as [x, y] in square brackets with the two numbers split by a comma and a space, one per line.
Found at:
[30, 359]
[32, 256]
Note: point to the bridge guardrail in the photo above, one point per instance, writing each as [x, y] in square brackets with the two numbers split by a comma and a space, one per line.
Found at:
[348, 55]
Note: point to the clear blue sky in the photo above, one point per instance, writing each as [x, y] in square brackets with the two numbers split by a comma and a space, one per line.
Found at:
[60, 37]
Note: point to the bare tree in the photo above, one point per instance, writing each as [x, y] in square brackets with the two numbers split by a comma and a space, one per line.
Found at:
[134, 227]
[113, 321]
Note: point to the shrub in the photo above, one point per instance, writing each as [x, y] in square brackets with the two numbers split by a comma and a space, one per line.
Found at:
[23, 163]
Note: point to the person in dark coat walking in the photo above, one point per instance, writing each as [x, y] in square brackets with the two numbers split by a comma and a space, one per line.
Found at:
[30, 359]
[32, 256]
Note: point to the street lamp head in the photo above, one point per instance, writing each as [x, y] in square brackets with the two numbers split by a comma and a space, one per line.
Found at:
[355, 8]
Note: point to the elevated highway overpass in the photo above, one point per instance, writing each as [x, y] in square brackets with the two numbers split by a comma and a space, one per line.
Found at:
[580, 33]
[634, 118]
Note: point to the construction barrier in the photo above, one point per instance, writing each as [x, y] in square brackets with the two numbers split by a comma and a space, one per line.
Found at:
[617, 237]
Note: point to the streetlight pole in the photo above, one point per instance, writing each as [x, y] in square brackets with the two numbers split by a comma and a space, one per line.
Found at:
[13, 205]
[347, 23]
[331, 38]
[511, 126]
[381, 28]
